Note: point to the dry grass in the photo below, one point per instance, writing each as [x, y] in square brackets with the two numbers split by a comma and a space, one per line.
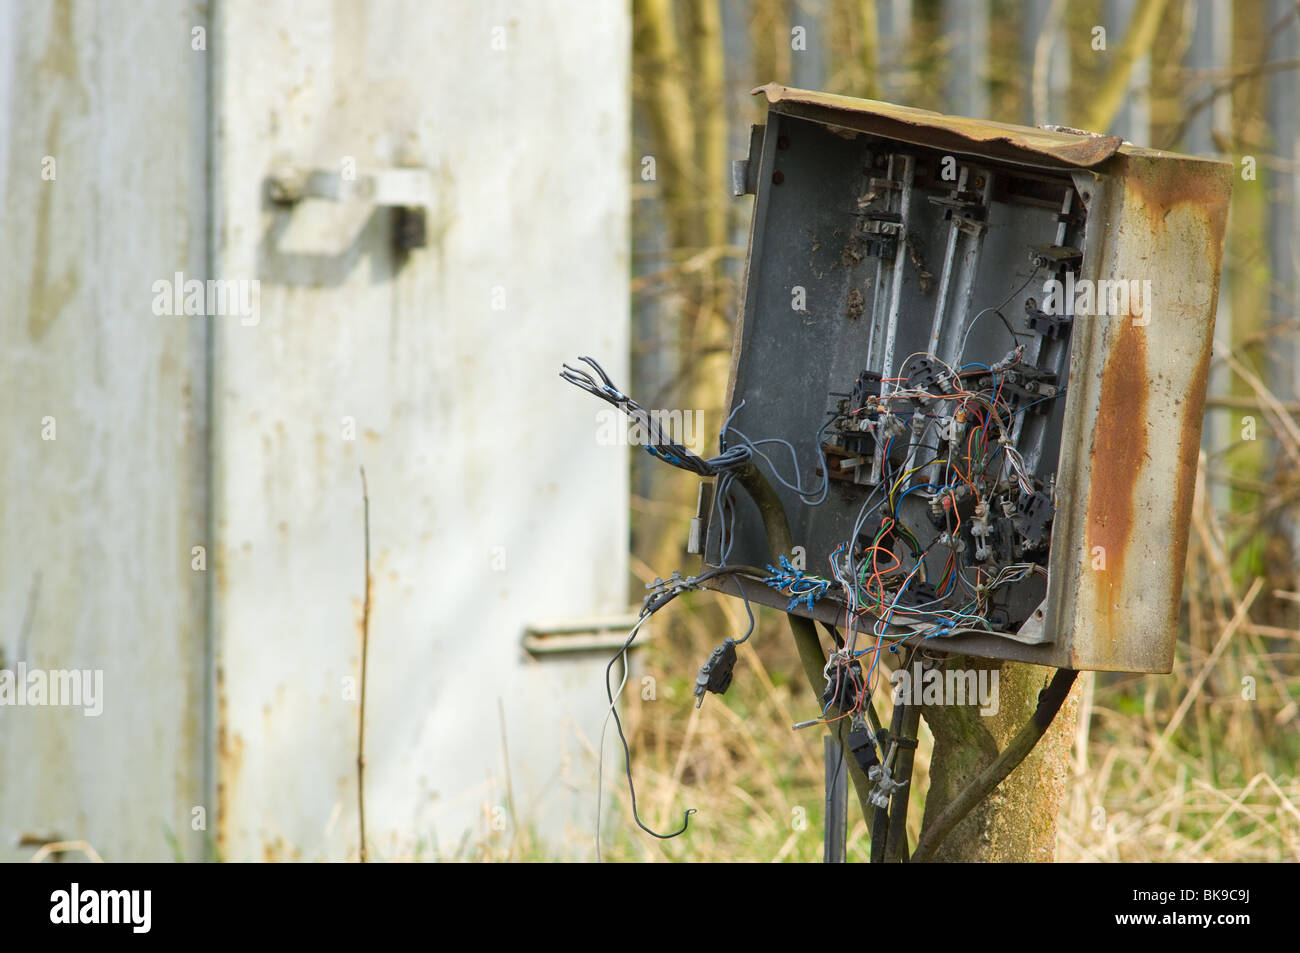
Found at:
[1200, 765]
[1189, 767]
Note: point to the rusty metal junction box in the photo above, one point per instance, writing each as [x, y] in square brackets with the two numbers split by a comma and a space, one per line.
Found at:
[986, 347]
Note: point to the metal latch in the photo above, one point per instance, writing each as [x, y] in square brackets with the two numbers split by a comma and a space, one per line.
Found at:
[410, 191]
[598, 634]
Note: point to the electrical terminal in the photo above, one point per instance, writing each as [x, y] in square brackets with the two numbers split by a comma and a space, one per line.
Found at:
[715, 673]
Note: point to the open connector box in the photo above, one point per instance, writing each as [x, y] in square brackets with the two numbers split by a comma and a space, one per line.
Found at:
[976, 354]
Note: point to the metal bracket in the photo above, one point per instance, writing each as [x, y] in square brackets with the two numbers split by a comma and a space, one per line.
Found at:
[700, 521]
[744, 172]
[603, 634]
[408, 190]
[1033, 632]
[1056, 256]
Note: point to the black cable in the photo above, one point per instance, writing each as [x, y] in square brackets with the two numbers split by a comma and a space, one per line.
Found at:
[998, 311]
[627, 755]
[896, 843]
[654, 603]
[880, 822]
[657, 600]
[750, 631]
[835, 779]
[658, 445]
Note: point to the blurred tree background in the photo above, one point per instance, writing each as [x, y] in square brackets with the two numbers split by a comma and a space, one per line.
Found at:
[1197, 765]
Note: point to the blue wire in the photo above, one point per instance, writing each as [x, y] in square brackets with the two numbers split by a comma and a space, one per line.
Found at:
[912, 489]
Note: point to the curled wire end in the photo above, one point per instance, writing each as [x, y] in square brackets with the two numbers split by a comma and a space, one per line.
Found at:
[580, 378]
[686, 822]
[591, 362]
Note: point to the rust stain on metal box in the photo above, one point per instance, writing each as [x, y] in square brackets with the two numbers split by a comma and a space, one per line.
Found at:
[1161, 187]
[1119, 449]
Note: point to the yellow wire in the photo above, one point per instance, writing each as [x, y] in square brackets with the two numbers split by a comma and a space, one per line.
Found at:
[899, 481]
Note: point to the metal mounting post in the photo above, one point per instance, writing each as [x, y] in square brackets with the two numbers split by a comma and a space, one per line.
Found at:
[837, 803]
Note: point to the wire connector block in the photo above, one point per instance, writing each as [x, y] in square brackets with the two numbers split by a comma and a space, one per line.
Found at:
[793, 582]
[715, 674]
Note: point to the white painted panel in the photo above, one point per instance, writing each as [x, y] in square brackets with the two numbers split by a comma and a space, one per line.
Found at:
[491, 504]
[96, 525]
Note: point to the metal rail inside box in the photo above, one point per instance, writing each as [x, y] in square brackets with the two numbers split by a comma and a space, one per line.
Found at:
[894, 248]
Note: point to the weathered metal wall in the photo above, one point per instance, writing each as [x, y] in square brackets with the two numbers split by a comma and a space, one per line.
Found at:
[102, 192]
[492, 504]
